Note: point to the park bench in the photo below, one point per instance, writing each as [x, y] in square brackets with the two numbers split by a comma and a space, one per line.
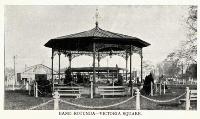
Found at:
[72, 91]
[193, 96]
[112, 90]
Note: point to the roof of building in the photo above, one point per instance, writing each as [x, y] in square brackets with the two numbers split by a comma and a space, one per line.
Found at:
[97, 69]
[35, 67]
[82, 40]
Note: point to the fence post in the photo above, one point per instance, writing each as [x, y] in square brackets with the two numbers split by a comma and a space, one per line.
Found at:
[131, 93]
[187, 100]
[13, 86]
[156, 87]
[192, 80]
[36, 90]
[26, 86]
[164, 88]
[29, 88]
[160, 88]
[137, 99]
[151, 89]
[56, 97]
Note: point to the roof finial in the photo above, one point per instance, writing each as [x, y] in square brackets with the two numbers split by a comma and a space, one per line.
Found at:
[97, 17]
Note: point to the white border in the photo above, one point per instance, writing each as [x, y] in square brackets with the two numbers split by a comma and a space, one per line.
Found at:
[51, 114]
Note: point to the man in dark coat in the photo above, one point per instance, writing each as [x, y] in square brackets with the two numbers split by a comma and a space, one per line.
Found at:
[147, 84]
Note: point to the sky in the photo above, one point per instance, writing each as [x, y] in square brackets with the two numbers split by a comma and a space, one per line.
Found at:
[28, 28]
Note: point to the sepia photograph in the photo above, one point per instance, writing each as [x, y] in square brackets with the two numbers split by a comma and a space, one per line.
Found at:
[100, 57]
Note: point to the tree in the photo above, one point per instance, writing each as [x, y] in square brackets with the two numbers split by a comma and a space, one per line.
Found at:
[159, 69]
[171, 68]
[187, 52]
[191, 43]
[192, 71]
[9, 73]
[148, 66]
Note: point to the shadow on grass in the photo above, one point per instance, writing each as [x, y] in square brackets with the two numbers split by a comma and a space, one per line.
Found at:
[170, 105]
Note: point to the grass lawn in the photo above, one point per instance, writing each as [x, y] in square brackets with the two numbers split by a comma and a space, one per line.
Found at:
[20, 100]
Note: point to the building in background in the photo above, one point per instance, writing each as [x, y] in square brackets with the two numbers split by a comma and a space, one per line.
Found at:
[36, 72]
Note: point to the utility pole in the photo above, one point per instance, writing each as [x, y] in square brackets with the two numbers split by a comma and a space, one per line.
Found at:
[14, 78]
[182, 69]
[182, 73]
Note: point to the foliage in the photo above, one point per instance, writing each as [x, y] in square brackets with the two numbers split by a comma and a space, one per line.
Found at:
[186, 54]
[147, 66]
[192, 71]
[9, 73]
[191, 43]
[188, 49]
[171, 69]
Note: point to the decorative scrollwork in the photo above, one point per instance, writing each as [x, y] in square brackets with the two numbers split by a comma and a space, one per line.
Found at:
[101, 51]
